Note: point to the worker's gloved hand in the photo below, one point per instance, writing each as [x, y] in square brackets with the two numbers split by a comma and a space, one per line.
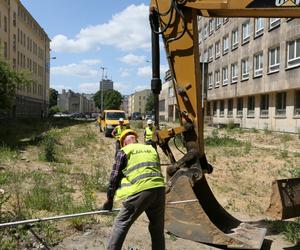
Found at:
[172, 169]
[108, 205]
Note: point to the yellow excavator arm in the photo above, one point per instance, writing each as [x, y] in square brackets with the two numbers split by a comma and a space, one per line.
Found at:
[192, 212]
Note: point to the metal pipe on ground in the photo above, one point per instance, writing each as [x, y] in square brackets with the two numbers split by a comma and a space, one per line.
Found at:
[59, 217]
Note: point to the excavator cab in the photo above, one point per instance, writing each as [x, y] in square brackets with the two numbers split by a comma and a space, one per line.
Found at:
[192, 211]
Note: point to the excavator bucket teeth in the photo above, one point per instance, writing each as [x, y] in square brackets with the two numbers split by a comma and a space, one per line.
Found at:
[193, 213]
[285, 199]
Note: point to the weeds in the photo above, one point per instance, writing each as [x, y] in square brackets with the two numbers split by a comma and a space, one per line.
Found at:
[285, 137]
[85, 139]
[7, 154]
[49, 143]
[291, 230]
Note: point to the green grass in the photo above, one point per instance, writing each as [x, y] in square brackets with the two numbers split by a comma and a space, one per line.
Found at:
[85, 139]
[7, 153]
[291, 230]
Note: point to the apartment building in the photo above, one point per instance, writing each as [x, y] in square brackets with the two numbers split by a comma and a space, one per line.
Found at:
[26, 46]
[253, 71]
[71, 102]
[106, 84]
[137, 101]
[167, 100]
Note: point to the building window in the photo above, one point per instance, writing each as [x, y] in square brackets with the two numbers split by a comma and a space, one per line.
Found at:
[274, 22]
[210, 53]
[297, 102]
[211, 26]
[14, 19]
[218, 22]
[208, 109]
[245, 69]
[258, 26]
[210, 81]
[264, 105]
[234, 39]
[281, 104]
[251, 106]
[14, 42]
[240, 106]
[234, 72]
[215, 108]
[162, 107]
[5, 50]
[246, 32]
[225, 75]
[274, 59]
[205, 32]
[217, 78]
[5, 23]
[221, 107]
[170, 92]
[258, 64]
[217, 49]
[229, 107]
[225, 44]
[293, 53]
[205, 55]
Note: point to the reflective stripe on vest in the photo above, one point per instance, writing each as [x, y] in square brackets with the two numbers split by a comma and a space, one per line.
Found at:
[119, 131]
[149, 133]
[142, 171]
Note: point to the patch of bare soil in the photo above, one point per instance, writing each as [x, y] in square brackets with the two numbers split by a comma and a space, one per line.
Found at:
[241, 182]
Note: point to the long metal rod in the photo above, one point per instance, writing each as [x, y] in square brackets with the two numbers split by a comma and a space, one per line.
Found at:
[59, 217]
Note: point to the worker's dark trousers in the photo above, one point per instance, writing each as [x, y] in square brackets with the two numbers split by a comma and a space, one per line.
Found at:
[152, 143]
[152, 201]
[118, 146]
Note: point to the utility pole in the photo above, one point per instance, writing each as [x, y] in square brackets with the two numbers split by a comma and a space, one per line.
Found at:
[102, 83]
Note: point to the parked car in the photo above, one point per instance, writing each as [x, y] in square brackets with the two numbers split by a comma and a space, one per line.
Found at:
[110, 119]
[136, 116]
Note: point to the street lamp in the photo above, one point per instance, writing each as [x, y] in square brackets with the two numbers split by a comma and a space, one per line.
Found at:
[101, 84]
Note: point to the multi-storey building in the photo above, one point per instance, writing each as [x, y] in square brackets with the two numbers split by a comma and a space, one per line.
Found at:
[253, 71]
[106, 84]
[71, 102]
[137, 101]
[26, 46]
[124, 105]
[167, 100]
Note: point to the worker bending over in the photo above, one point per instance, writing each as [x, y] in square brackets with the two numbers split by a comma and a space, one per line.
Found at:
[150, 134]
[137, 178]
[116, 133]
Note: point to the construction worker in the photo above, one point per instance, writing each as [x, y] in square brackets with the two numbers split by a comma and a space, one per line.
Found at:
[149, 134]
[116, 133]
[136, 177]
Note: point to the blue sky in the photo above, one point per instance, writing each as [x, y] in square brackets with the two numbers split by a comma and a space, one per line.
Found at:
[89, 34]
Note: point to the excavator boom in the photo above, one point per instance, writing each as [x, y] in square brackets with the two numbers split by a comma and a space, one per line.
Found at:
[192, 211]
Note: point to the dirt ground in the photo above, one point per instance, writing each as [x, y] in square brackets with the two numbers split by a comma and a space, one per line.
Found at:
[241, 182]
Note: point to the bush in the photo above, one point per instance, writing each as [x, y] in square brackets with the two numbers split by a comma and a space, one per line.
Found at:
[49, 146]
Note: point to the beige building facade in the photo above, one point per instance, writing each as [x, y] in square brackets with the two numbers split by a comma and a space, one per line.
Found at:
[253, 71]
[26, 46]
[167, 101]
[137, 101]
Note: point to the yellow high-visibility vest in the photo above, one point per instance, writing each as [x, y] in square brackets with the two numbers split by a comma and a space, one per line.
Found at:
[142, 171]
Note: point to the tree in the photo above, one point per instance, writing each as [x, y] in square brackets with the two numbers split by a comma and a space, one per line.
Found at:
[10, 80]
[149, 107]
[53, 97]
[112, 99]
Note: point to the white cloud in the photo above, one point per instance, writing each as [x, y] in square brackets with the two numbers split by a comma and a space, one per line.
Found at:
[75, 69]
[127, 30]
[59, 87]
[125, 72]
[132, 59]
[88, 88]
[146, 71]
[91, 61]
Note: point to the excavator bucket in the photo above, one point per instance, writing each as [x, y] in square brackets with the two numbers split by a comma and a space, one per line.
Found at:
[285, 199]
[193, 213]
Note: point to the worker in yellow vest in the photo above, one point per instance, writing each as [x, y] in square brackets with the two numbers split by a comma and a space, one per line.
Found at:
[137, 178]
[116, 133]
[150, 134]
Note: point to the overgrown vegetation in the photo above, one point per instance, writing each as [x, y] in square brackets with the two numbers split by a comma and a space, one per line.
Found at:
[290, 229]
[215, 140]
